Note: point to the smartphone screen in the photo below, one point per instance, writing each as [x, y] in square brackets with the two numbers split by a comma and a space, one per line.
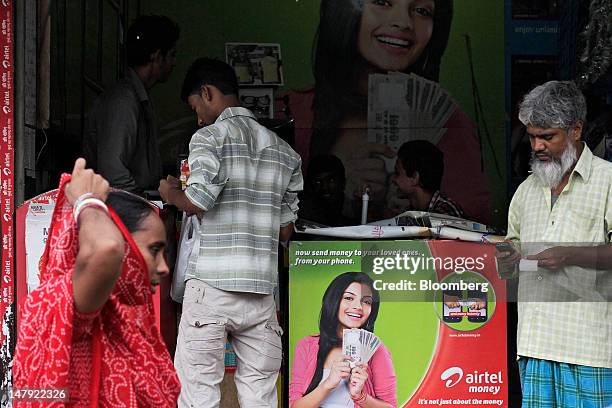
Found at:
[451, 298]
[477, 306]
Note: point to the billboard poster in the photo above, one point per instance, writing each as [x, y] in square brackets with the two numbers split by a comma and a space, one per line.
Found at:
[377, 89]
[437, 308]
[6, 203]
[37, 225]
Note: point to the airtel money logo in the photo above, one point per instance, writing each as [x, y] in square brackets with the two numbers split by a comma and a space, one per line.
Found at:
[477, 381]
[452, 376]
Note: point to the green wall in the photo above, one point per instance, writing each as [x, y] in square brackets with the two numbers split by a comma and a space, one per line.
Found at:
[207, 25]
[483, 21]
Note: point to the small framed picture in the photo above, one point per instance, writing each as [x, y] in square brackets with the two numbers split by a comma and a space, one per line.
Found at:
[260, 101]
[256, 64]
[535, 9]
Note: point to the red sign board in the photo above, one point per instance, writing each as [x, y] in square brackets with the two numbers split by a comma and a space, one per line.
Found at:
[6, 184]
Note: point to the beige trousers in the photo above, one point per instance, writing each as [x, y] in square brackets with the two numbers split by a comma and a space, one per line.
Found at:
[211, 316]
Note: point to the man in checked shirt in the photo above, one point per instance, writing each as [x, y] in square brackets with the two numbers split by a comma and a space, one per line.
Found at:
[244, 182]
[561, 218]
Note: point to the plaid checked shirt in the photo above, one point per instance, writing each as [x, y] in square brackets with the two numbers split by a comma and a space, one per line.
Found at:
[246, 179]
[565, 315]
[441, 204]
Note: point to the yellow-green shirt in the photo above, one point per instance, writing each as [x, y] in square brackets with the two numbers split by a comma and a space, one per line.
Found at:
[565, 315]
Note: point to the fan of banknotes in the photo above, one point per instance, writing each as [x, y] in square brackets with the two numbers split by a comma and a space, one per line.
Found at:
[359, 344]
[405, 107]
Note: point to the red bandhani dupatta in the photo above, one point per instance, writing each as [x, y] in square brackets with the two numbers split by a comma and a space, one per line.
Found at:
[131, 366]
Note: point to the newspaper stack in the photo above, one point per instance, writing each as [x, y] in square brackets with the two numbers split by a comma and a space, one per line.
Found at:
[433, 220]
[410, 224]
[405, 107]
[445, 226]
[359, 344]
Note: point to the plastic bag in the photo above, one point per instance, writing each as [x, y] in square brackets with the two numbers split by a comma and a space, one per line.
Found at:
[189, 242]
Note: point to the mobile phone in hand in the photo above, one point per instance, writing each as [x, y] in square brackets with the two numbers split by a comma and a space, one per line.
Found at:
[507, 256]
[505, 247]
[476, 296]
[451, 314]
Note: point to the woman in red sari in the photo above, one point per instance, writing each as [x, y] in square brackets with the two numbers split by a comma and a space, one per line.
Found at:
[87, 333]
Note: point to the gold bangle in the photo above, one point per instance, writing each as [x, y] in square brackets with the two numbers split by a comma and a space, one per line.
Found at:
[360, 398]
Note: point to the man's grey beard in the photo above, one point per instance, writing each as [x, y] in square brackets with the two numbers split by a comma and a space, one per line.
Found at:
[551, 173]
